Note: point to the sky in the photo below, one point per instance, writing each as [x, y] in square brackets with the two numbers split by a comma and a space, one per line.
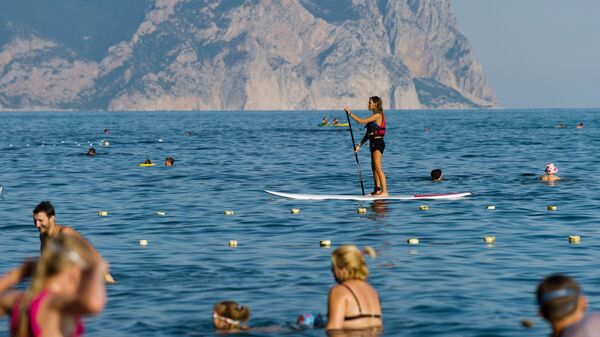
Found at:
[536, 53]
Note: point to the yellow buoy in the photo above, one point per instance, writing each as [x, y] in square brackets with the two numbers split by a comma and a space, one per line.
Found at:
[413, 241]
[552, 208]
[228, 212]
[490, 207]
[102, 213]
[361, 210]
[325, 243]
[233, 243]
[143, 242]
[574, 239]
[489, 239]
[423, 207]
[295, 210]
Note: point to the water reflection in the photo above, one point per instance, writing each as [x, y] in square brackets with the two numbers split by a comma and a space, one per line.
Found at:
[379, 207]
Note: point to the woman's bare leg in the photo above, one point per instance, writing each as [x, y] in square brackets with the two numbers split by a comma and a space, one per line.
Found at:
[378, 174]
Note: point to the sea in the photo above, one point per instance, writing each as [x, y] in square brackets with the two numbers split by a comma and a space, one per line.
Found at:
[451, 283]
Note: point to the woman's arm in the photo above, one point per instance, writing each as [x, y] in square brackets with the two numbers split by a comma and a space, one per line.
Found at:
[336, 309]
[91, 296]
[372, 118]
[15, 275]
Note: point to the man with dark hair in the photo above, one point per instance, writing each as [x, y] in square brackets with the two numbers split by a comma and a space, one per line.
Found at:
[436, 175]
[563, 306]
[44, 221]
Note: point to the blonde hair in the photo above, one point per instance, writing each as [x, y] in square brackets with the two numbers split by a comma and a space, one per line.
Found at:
[352, 259]
[63, 251]
[232, 310]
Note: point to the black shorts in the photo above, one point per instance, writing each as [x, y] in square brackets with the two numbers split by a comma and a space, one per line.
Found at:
[377, 144]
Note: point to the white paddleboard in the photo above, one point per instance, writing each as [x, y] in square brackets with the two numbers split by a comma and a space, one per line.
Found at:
[444, 196]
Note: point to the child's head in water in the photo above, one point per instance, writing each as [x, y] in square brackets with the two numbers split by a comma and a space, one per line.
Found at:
[229, 315]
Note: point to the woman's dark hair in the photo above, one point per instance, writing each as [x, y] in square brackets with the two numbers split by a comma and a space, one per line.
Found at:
[558, 297]
[378, 103]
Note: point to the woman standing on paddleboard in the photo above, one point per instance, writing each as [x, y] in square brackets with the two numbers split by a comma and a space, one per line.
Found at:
[375, 132]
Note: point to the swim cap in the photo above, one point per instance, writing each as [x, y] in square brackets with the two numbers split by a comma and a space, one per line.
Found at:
[308, 320]
[551, 169]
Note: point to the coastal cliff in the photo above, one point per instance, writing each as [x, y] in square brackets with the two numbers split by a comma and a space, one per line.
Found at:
[249, 55]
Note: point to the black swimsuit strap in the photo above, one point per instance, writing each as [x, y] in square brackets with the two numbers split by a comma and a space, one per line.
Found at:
[355, 298]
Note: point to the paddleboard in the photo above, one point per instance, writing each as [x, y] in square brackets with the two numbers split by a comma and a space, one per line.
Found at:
[443, 196]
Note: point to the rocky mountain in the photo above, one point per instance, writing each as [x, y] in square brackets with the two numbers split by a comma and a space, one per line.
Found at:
[239, 55]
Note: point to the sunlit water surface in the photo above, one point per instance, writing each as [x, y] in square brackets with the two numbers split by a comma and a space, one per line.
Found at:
[451, 284]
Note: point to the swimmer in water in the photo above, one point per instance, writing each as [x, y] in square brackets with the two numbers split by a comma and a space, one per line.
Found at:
[169, 161]
[580, 126]
[563, 305]
[44, 221]
[66, 285]
[91, 152]
[147, 161]
[230, 316]
[353, 303]
[550, 175]
[437, 175]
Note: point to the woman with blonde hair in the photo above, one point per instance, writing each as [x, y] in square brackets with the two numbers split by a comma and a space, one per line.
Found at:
[353, 303]
[67, 284]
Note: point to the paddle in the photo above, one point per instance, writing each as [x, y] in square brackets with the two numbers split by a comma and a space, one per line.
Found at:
[362, 186]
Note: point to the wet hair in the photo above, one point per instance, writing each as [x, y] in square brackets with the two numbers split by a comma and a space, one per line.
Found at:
[436, 174]
[351, 258]
[62, 251]
[147, 161]
[46, 207]
[232, 310]
[378, 103]
[170, 160]
[91, 151]
[558, 297]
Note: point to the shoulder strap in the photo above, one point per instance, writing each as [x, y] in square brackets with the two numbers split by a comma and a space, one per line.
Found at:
[355, 298]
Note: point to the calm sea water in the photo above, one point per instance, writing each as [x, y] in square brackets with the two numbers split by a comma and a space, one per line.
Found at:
[451, 284]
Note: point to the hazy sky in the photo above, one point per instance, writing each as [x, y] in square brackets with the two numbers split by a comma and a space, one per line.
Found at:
[536, 53]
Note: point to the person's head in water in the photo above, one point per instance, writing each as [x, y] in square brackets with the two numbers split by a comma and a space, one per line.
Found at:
[91, 152]
[348, 263]
[44, 217]
[229, 315]
[169, 161]
[376, 104]
[436, 175]
[147, 161]
[560, 301]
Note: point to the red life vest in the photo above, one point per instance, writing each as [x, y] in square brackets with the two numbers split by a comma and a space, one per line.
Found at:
[375, 130]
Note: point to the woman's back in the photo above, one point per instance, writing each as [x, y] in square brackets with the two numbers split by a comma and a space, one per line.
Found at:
[360, 301]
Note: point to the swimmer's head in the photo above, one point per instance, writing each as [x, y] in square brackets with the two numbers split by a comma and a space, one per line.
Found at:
[559, 296]
[169, 161]
[436, 175]
[230, 315]
[551, 169]
[147, 161]
[91, 152]
[348, 263]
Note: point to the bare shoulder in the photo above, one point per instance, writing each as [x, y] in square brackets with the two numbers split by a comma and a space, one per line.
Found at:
[68, 230]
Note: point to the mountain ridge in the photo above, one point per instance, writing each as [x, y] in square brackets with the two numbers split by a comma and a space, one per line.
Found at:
[256, 55]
